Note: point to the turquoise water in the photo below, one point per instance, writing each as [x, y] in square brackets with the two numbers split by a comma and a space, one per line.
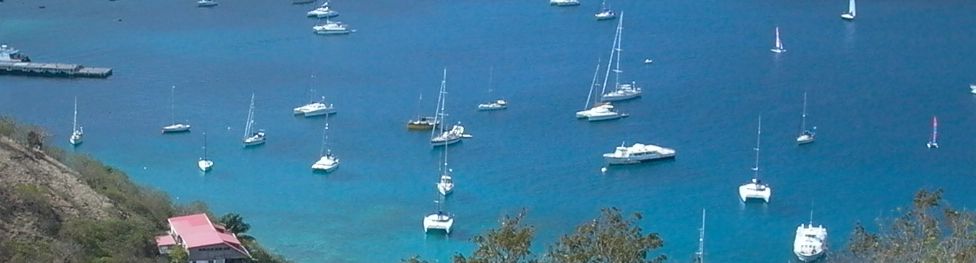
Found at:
[873, 84]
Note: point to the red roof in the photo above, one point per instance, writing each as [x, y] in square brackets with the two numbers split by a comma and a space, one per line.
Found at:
[197, 231]
[165, 240]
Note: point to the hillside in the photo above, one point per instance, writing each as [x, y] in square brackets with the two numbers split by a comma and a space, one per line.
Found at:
[58, 207]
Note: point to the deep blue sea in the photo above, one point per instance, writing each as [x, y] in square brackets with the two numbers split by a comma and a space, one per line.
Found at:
[873, 87]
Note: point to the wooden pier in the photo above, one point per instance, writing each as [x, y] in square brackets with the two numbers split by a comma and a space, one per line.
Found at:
[53, 70]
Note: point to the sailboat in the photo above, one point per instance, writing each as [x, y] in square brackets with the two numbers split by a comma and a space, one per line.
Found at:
[605, 12]
[933, 143]
[205, 163]
[810, 242]
[176, 126]
[423, 122]
[446, 184]
[622, 91]
[700, 254]
[806, 136]
[778, 48]
[498, 104]
[77, 132]
[314, 108]
[439, 220]
[445, 137]
[851, 12]
[756, 189]
[252, 138]
[327, 162]
[587, 108]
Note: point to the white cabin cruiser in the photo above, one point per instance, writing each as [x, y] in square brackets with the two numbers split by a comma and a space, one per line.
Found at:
[637, 153]
[564, 2]
[323, 11]
[206, 3]
[810, 243]
[332, 28]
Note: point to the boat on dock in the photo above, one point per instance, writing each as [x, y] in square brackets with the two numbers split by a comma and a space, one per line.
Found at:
[9, 54]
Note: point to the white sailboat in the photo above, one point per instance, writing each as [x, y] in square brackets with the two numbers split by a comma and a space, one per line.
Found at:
[972, 88]
[934, 143]
[205, 163]
[605, 12]
[851, 12]
[328, 162]
[77, 132]
[445, 185]
[252, 138]
[445, 137]
[439, 220]
[424, 122]
[810, 242]
[176, 126]
[756, 189]
[497, 104]
[778, 46]
[700, 254]
[587, 108]
[806, 136]
[622, 91]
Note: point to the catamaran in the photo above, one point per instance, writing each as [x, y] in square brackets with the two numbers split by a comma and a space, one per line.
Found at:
[205, 163]
[315, 108]
[327, 162]
[439, 220]
[622, 91]
[756, 189]
[778, 46]
[806, 136]
[498, 104]
[445, 137]
[933, 143]
[605, 12]
[851, 12]
[77, 132]
[252, 138]
[810, 242]
[176, 126]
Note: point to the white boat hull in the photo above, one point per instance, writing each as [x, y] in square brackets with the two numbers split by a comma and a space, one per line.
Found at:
[847, 16]
[320, 112]
[753, 191]
[326, 164]
[804, 139]
[635, 160]
[972, 88]
[256, 139]
[175, 128]
[76, 138]
[438, 221]
[810, 243]
[604, 116]
[778, 50]
[205, 165]
[445, 189]
[564, 2]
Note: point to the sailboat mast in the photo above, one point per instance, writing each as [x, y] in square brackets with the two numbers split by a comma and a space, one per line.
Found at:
[205, 145]
[779, 44]
[172, 103]
[618, 49]
[592, 85]
[606, 77]
[491, 78]
[852, 8]
[935, 128]
[701, 240]
[441, 104]
[250, 117]
[758, 135]
[325, 136]
[74, 122]
[803, 120]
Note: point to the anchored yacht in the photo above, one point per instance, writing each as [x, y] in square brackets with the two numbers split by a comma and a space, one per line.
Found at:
[439, 220]
[756, 189]
[564, 2]
[332, 28]
[810, 243]
[637, 153]
[323, 11]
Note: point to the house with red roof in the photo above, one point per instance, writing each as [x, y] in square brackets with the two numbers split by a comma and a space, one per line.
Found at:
[204, 241]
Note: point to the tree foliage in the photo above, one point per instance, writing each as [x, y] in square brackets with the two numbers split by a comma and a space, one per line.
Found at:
[930, 231]
[235, 224]
[178, 255]
[609, 238]
[509, 243]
